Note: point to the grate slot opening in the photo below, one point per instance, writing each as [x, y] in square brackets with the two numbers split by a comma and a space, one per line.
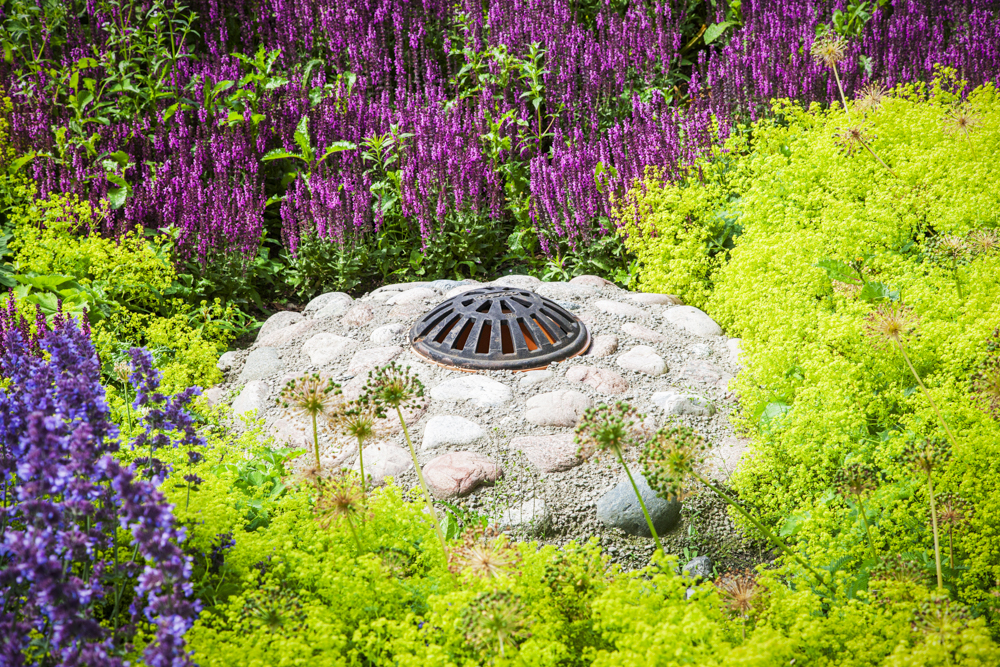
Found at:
[554, 320]
[528, 338]
[483, 345]
[433, 323]
[485, 308]
[506, 342]
[504, 308]
[545, 331]
[448, 327]
[526, 304]
[463, 336]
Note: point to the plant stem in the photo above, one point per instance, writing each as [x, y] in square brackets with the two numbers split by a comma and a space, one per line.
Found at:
[881, 161]
[864, 517]
[354, 532]
[843, 98]
[958, 279]
[423, 485]
[937, 550]
[361, 461]
[316, 443]
[642, 503]
[927, 394]
[771, 537]
[951, 547]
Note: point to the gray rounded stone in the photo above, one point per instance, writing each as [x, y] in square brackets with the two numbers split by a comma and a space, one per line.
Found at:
[735, 347]
[226, 361]
[676, 403]
[699, 567]
[643, 333]
[643, 359]
[334, 308]
[476, 389]
[419, 294]
[261, 363]
[279, 320]
[390, 333]
[550, 453]
[604, 380]
[324, 300]
[619, 508]
[692, 320]
[603, 346]
[325, 347]
[619, 309]
[516, 280]
[372, 358]
[444, 430]
[557, 408]
[253, 397]
[656, 299]
[359, 315]
[532, 516]
[592, 281]
[532, 378]
[384, 459]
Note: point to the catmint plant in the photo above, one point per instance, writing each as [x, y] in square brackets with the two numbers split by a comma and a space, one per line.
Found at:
[70, 510]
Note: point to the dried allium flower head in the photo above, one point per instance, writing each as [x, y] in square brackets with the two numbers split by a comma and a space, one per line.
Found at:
[870, 97]
[828, 49]
[852, 138]
[356, 419]
[941, 616]
[392, 386]
[952, 246]
[274, 609]
[339, 497]
[900, 570]
[738, 589]
[485, 553]
[984, 241]
[961, 120]
[309, 396]
[928, 454]
[890, 323]
[669, 459]
[855, 479]
[495, 622]
[122, 370]
[607, 428]
[952, 510]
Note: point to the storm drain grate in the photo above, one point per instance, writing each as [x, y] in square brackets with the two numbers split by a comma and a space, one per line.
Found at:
[492, 328]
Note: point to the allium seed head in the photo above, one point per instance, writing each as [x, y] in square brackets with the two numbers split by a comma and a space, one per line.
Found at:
[669, 460]
[738, 589]
[890, 323]
[829, 49]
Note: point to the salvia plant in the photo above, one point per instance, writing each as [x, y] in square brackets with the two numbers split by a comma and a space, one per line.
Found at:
[89, 552]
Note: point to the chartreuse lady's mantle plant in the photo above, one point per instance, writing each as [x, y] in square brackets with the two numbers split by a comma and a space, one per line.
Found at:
[90, 556]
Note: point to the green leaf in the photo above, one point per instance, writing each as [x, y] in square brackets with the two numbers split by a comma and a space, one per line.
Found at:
[873, 292]
[839, 271]
[44, 282]
[338, 147]
[713, 32]
[278, 154]
[302, 139]
[21, 161]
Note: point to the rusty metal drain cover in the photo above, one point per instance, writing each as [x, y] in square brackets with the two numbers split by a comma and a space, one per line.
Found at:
[498, 328]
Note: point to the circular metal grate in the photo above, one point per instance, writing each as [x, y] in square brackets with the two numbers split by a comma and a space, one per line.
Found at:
[491, 328]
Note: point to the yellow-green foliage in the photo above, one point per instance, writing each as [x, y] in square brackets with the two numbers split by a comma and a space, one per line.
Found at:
[803, 197]
[60, 235]
[670, 226]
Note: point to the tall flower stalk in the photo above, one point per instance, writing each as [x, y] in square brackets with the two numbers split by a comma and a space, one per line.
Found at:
[357, 419]
[856, 479]
[393, 386]
[891, 323]
[926, 456]
[669, 463]
[310, 396]
[611, 428]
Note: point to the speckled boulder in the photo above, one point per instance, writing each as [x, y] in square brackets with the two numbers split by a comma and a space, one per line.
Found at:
[459, 473]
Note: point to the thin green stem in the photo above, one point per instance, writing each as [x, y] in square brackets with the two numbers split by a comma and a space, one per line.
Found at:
[934, 525]
[836, 75]
[951, 547]
[868, 530]
[361, 462]
[771, 537]
[354, 532]
[423, 485]
[927, 394]
[642, 503]
[316, 442]
[958, 279]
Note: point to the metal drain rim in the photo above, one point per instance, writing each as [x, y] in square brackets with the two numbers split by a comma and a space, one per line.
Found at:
[520, 331]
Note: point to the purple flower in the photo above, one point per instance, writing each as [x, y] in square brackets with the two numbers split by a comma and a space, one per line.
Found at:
[64, 495]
